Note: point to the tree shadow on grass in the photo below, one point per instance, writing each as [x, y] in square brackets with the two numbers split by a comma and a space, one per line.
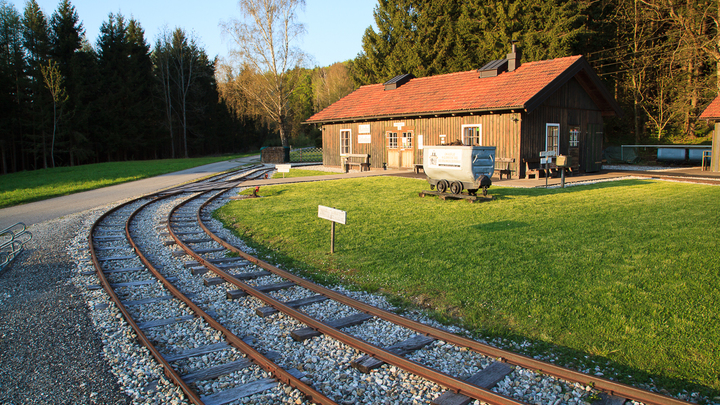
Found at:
[501, 193]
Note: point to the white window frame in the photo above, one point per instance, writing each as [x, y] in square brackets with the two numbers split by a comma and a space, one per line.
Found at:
[574, 136]
[479, 128]
[406, 140]
[390, 144]
[349, 142]
[547, 137]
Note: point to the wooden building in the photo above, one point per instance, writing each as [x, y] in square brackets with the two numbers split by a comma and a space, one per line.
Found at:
[523, 109]
[712, 113]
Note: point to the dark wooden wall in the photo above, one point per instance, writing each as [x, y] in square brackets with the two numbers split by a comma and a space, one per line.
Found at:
[569, 106]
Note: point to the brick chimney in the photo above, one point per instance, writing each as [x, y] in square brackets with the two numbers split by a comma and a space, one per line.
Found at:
[513, 58]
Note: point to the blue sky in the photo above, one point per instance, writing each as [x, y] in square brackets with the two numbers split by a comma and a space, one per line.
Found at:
[334, 27]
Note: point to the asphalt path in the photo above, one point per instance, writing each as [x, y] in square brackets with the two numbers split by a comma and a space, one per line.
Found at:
[41, 211]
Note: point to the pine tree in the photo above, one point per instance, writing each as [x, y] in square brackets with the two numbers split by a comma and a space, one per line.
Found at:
[391, 51]
[66, 33]
[113, 65]
[142, 116]
[12, 82]
[86, 92]
[126, 79]
[37, 47]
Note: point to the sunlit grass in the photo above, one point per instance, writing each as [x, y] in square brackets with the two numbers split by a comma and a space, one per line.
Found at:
[624, 270]
[23, 187]
[300, 173]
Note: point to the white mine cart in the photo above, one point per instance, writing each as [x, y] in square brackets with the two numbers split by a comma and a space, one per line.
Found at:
[458, 168]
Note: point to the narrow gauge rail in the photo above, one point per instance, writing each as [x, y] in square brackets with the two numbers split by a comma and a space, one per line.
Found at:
[454, 385]
[110, 227]
[613, 391]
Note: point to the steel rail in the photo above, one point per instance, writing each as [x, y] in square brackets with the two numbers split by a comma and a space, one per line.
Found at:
[454, 384]
[608, 386]
[169, 371]
[259, 359]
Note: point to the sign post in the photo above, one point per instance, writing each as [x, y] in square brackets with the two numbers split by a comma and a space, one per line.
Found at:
[282, 169]
[333, 216]
[546, 157]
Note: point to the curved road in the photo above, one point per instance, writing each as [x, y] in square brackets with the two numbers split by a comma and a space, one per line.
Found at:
[41, 211]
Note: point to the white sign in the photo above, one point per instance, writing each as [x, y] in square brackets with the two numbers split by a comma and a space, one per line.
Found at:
[399, 125]
[364, 138]
[548, 153]
[545, 160]
[282, 168]
[445, 158]
[332, 214]
[420, 143]
[364, 128]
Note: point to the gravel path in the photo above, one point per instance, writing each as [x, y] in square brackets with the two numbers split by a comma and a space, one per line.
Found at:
[49, 350]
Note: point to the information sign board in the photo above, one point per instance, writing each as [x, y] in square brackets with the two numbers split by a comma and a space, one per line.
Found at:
[332, 214]
[282, 168]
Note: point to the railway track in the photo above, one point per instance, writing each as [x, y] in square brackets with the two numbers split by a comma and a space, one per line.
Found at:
[226, 327]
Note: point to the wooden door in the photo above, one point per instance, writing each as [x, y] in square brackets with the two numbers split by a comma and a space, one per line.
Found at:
[407, 153]
[400, 149]
[593, 148]
[393, 150]
[574, 147]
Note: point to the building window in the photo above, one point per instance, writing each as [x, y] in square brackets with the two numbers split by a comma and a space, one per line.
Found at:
[345, 141]
[574, 137]
[392, 140]
[407, 138]
[472, 135]
[552, 138]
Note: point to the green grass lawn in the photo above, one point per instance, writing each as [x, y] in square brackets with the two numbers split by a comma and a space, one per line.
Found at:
[300, 173]
[24, 187]
[625, 273]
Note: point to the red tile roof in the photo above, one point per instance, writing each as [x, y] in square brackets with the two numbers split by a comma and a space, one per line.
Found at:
[712, 112]
[456, 92]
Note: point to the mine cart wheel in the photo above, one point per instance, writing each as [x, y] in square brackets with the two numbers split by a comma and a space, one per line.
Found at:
[432, 187]
[472, 191]
[442, 186]
[485, 191]
[456, 187]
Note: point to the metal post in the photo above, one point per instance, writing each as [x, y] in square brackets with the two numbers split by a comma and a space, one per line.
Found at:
[562, 177]
[332, 237]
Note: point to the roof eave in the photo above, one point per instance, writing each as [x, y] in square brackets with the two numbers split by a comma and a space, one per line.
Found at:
[517, 108]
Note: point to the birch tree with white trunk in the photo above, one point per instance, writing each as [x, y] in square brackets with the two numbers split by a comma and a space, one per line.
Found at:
[263, 41]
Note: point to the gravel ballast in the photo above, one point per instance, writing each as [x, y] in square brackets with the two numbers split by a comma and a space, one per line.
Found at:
[85, 352]
[50, 350]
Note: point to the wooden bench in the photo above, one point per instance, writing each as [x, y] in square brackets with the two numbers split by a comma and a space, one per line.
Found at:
[502, 167]
[538, 168]
[361, 160]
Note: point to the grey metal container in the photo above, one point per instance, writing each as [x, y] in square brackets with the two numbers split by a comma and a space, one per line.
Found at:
[459, 167]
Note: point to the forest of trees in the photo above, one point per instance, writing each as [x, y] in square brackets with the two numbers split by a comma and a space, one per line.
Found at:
[66, 101]
[659, 58]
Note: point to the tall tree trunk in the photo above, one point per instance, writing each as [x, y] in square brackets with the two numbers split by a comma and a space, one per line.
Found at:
[44, 145]
[52, 144]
